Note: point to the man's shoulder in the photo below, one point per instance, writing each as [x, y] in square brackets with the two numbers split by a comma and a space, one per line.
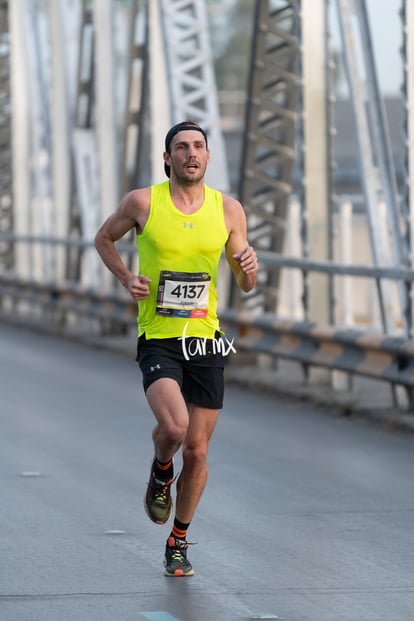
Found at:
[228, 201]
[231, 204]
[139, 197]
[135, 206]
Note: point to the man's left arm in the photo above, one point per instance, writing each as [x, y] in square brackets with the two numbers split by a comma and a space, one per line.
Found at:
[240, 255]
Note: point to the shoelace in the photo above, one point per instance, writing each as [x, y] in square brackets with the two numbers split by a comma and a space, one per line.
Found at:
[160, 489]
[160, 492]
[178, 554]
[179, 550]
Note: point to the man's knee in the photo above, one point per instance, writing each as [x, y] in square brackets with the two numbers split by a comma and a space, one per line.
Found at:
[173, 430]
[195, 455]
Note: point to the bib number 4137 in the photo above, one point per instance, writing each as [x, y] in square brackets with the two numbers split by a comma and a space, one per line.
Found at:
[184, 292]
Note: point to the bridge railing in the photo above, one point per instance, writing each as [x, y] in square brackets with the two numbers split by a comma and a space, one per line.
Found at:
[353, 350]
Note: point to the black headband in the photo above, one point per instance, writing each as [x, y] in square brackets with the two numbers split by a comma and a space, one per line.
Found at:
[180, 127]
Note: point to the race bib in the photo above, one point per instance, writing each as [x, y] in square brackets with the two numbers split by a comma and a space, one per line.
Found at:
[183, 294]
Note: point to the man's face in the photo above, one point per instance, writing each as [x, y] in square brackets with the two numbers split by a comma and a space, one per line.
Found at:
[188, 157]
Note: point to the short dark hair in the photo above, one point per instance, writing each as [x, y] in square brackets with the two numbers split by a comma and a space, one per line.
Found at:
[179, 127]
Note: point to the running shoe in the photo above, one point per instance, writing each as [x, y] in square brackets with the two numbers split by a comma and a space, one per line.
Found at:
[157, 501]
[176, 562]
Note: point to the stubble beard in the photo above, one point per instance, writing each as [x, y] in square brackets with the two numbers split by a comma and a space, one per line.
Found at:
[188, 180]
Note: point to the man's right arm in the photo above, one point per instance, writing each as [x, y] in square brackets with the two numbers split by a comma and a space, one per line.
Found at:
[131, 213]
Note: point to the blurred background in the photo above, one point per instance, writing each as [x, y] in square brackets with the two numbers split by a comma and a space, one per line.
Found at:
[309, 109]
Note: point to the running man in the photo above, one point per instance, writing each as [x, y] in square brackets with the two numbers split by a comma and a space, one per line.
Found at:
[182, 227]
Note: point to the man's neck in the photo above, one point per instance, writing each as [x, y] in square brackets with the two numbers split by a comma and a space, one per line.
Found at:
[187, 198]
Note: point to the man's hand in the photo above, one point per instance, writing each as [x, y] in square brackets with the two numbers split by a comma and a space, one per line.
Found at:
[138, 287]
[247, 259]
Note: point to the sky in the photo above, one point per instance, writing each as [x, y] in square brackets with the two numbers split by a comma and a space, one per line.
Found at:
[387, 37]
[386, 32]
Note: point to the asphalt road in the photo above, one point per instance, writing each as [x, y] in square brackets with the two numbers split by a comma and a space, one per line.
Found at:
[306, 517]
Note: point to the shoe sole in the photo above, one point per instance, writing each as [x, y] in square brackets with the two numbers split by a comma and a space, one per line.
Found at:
[179, 573]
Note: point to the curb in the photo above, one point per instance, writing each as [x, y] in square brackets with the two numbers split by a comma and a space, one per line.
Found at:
[362, 404]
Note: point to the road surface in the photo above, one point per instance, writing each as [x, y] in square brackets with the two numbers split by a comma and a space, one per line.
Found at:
[306, 517]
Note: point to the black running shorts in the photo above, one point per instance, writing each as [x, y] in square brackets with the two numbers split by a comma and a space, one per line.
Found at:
[198, 369]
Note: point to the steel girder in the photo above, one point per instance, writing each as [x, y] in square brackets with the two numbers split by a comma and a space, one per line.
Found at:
[83, 177]
[134, 165]
[193, 92]
[6, 201]
[376, 160]
[407, 51]
[269, 139]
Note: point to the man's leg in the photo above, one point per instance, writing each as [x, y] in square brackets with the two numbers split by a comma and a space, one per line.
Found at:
[190, 487]
[193, 476]
[170, 410]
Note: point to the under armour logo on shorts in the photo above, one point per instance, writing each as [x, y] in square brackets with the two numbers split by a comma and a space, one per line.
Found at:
[157, 366]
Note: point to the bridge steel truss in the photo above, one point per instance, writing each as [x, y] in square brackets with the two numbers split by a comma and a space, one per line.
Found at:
[133, 168]
[269, 141]
[73, 196]
[175, 33]
[376, 161]
[188, 59]
[277, 119]
[272, 120]
[170, 58]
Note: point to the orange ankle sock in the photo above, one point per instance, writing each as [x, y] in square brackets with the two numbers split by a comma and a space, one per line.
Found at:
[164, 465]
[179, 529]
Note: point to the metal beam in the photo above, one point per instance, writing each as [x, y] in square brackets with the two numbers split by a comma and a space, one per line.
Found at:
[378, 175]
[316, 214]
[61, 111]
[6, 173]
[105, 108]
[160, 118]
[407, 15]
[40, 215]
[191, 80]
[20, 134]
[269, 140]
[134, 169]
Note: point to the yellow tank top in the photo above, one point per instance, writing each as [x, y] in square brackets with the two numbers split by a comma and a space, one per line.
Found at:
[181, 253]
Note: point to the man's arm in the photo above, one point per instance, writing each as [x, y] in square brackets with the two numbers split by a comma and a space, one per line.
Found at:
[131, 213]
[240, 256]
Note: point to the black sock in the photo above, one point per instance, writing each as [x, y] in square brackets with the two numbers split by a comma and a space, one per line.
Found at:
[163, 470]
